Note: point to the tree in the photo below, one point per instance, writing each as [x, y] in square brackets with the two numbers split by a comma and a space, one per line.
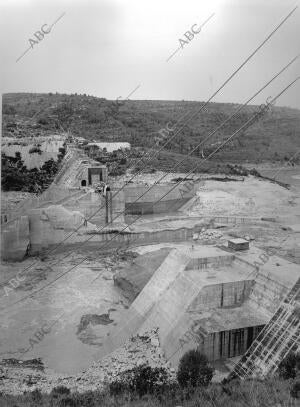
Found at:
[64, 114]
[8, 109]
[194, 369]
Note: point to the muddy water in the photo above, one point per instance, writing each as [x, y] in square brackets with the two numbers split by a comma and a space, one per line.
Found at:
[64, 347]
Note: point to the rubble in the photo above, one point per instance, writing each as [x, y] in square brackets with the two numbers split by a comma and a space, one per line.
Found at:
[137, 351]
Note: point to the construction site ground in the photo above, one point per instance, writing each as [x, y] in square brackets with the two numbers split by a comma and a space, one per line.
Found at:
[85, 305]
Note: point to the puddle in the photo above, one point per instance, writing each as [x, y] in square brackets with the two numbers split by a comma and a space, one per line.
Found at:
[93, 319]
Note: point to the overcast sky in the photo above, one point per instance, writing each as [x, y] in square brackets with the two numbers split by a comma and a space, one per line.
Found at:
[107, 48]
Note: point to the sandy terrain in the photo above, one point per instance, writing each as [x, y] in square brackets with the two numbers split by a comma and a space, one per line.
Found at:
[252, 197]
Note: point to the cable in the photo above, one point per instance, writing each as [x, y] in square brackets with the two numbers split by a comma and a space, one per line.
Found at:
[209, 135]
[216, 150]
[195, 113]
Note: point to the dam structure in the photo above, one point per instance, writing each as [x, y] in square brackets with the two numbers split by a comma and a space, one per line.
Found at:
[209, 299]
[203, 295]
[83, 199]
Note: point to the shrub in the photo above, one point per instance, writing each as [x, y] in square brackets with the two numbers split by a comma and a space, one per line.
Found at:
[289, 367]
[117, 171]
[43, 120]
[35, 150]
[295, 390]
[36, 395]
[67, 401]
[60, 390]
[194, 370]
[141, 380]
[8, 109]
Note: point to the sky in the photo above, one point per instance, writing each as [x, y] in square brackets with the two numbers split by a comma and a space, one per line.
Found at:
[109, 48]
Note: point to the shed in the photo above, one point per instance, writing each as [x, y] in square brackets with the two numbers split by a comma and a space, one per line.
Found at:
[238, 244]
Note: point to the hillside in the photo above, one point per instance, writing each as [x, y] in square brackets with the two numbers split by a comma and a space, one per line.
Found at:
[274, 137]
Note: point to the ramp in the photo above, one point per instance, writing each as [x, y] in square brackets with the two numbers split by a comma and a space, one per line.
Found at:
[137, 314]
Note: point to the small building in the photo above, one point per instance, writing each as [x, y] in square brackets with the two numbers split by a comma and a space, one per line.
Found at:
[238, 244]
[92, 174]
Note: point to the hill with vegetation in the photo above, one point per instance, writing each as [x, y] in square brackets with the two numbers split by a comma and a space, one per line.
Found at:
[274, 137]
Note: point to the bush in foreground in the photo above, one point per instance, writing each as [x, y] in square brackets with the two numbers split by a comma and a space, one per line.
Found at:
[290, 366]
[194, 370]
[141, 380]
[295, 390]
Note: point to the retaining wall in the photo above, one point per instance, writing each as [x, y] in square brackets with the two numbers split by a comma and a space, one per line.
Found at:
[228, 344]
[222, 295]
[206, 262]
[173, 200]
[51, 195]
[109, 240]
[15, 239]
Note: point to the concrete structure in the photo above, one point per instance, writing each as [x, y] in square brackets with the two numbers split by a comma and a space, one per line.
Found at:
[280, 336]
[15, 239]
[208, 299]
[92, 175]
[238, 244]
[45, 220]
[80, 171]
[139, 201]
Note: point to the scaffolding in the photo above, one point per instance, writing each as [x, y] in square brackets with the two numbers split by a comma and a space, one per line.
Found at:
[280, 336]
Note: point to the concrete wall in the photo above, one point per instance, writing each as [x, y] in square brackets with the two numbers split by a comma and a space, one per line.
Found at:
[90, 174]
[267, 293]
[143, 208]
[46, 230]
[15, 239]
[223, 295]
[108, 240]
[147, 200]
[206, 262]
[53, 194]
[228, 344]
[90, 203]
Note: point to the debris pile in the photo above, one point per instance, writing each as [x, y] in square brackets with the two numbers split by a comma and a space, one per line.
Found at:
[137, 351]
[144, 349]
[207, 234]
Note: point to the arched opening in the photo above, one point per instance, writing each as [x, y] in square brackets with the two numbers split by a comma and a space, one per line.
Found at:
[83, 183]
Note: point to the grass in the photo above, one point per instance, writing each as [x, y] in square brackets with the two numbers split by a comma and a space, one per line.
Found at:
[251, 393]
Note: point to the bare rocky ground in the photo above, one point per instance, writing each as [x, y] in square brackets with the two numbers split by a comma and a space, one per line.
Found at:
[17, 377]
[84, 306]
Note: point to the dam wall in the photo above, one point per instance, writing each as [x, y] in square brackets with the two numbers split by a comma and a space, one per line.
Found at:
[169, 200]
[15, 239]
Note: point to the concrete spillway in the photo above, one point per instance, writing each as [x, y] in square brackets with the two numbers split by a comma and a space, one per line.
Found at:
[140, 309]
[204, 298]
